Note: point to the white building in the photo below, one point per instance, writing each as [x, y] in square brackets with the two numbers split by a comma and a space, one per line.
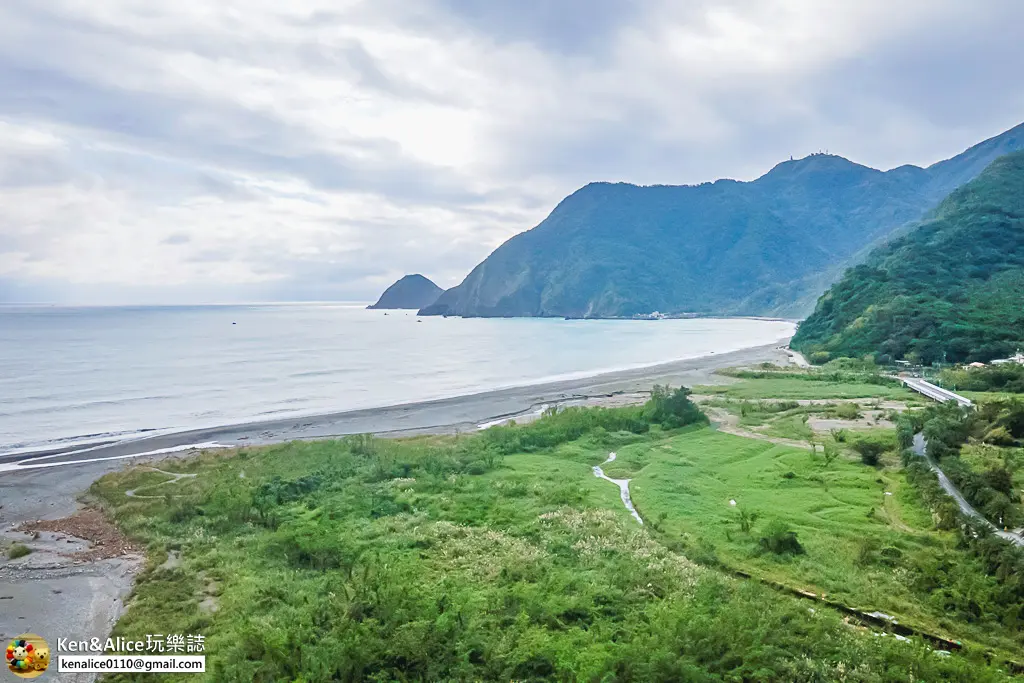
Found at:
[1015, 358]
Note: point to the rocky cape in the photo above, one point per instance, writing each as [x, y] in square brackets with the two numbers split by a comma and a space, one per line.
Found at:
[411, 292]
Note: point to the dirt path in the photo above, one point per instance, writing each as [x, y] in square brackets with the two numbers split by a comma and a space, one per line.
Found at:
[174, 479]
[724, 421]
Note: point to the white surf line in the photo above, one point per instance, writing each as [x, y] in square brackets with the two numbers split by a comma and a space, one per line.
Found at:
[623, 485]
[32, 465]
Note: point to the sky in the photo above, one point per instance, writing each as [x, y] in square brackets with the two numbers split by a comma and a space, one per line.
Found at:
[257, 150]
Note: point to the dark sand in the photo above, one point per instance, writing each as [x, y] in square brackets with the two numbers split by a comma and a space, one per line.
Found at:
[55, 596]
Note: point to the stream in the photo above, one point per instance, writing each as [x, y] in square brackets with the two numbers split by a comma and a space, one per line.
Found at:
[623, 485]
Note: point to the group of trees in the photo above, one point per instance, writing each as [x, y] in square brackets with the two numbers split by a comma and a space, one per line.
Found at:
[947, 427]
[982, 581]
[1006, 377]
[667, 407]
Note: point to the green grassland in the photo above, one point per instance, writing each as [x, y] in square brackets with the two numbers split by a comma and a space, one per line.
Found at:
[462, 558]
[800, 389]
[860, 543]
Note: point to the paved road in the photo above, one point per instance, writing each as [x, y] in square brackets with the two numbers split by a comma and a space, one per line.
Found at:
[797, 358]
[936, 393]
[921, 448]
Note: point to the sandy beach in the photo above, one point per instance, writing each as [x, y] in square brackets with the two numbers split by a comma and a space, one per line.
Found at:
[58, 591]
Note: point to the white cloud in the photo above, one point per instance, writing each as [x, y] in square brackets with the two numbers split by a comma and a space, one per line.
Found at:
[322, 149]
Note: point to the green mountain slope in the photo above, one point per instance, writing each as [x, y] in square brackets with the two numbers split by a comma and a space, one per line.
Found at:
[769, 246]
[951, 288]
[412, 291]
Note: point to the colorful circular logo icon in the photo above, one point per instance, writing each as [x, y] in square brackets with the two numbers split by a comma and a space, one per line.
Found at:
[28, 656]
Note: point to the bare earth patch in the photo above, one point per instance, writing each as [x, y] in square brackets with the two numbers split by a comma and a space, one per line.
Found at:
[89, 525]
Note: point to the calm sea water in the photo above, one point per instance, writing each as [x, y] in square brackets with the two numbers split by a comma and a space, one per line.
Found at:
[73, 375]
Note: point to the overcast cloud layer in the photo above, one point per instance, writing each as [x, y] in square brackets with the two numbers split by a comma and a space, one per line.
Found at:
[224, 150]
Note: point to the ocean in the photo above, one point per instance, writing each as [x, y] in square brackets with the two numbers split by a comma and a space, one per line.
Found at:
[76, 375]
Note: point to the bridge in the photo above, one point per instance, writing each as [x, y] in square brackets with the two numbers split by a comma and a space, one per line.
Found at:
[936, 393]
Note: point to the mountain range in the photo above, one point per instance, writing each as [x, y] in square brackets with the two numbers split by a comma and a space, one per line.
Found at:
[770, 246]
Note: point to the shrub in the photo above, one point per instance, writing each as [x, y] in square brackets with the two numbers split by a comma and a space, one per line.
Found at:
[476, 467]
[778, 538]
[18, 550]
[847, 411]
[672, 408]
[819, 357]
[999, 436]
[870, 450]
[361, 444]
[866, 552]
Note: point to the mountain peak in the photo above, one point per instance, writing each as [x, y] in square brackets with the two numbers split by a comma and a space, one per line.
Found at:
[819, 162]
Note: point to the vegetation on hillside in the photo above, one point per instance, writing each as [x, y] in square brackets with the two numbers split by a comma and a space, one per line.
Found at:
[952, 289]
[764, 247]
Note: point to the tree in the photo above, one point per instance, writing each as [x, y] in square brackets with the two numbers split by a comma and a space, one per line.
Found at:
[870, 451]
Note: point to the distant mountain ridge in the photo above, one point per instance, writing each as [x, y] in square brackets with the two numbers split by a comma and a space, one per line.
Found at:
[764, 247]
[952, 288]
[410, 292]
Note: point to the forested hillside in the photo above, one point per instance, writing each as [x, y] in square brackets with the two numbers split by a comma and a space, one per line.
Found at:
[952, 288]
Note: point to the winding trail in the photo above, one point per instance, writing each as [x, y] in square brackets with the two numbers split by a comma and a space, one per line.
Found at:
[175, 477]
[623, 485]
[921, 449]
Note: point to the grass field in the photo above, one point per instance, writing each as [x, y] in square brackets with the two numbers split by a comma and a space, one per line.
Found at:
[840, 512]
[796, 389]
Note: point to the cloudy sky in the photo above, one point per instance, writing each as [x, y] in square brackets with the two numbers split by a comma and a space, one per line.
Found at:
[225, 150]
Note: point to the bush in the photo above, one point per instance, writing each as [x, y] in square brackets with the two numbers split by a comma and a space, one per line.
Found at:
[847, 411]
[778, 538]
[870, 451]
[672, 408]
[18, 550]
[819, 357]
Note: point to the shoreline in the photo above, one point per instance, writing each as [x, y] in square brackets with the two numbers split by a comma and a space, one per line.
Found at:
[51, 593]
[464, 412]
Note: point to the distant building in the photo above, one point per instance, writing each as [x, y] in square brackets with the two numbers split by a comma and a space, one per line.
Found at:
[1015, 358]
[976, 364]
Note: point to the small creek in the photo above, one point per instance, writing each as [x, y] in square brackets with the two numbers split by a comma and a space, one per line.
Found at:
[623, 485]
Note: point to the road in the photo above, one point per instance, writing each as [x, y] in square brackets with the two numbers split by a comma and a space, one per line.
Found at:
[921, 448]
[936, 393]
[797, 358]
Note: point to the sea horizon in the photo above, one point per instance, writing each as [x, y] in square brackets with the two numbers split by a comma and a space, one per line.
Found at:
[124, 372]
